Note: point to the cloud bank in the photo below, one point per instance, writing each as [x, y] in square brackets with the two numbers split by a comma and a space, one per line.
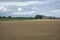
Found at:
[30, 7]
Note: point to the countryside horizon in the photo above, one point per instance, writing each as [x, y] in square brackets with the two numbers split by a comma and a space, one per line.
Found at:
[29, 19]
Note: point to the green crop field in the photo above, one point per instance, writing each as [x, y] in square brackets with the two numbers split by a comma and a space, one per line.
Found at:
[13, 19]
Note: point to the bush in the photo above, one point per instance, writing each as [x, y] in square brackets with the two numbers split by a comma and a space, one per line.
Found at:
[9, 16]
[39, 16]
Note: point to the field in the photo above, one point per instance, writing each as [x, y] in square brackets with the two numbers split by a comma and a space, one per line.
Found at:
[14, 19]
[30, 30]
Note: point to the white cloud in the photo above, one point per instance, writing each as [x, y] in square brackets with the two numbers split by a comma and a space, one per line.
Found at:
[2, 8]
[19, 13]
[34, 8]
[17, 3]
[25, 3]
[24, 13]
[51, 0]
[55, 11]
[19, 9]
[43, 6]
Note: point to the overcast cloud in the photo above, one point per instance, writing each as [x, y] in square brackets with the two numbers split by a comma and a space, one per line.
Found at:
[29, 7]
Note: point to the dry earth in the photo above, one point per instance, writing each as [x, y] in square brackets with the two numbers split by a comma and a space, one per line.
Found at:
[30, 30]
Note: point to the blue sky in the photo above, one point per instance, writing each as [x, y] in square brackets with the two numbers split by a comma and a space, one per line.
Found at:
[28, 8]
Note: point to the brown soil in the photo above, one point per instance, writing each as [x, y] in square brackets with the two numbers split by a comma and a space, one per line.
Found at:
[30, 30]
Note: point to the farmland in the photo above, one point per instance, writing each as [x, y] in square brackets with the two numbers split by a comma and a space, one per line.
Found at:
[30, 30]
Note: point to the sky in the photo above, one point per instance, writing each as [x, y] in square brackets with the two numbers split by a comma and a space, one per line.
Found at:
[29, 8]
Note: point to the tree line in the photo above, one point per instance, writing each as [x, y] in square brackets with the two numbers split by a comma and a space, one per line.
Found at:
[44, 17]
[5, 17]
[36, 17]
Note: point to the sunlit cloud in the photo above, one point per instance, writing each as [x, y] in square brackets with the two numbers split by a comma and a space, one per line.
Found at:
[19, 9]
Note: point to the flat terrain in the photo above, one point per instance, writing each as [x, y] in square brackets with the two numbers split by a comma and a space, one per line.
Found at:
[30, 30]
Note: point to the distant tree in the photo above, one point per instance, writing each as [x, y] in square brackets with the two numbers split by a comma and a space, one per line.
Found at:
[53, 17]
[50, 17]
[9, 16]
[4, 17]
[0, 16]
[39, 16]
